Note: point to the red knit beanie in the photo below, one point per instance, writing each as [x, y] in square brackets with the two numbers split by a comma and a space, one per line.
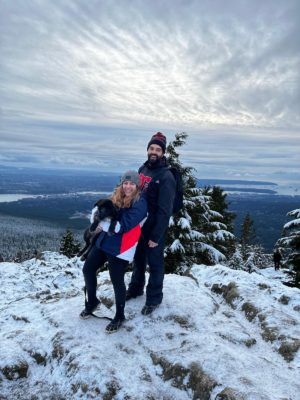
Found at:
[159, 139]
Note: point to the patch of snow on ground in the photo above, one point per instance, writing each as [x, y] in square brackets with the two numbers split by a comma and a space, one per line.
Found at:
[197, 324]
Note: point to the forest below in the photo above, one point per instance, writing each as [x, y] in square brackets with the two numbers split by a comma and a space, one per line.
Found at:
[39, 223]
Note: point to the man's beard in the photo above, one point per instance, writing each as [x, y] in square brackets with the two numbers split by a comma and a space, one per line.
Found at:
[154, 159]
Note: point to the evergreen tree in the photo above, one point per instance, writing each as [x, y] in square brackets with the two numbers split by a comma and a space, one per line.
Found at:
[219, 204]
[289, 244]
[247, 235]
[253, 258]
[236, 260]
[180, 250]
[249, 255]
[220, 236]
[192, 232]
[211, 248]
[68, 245]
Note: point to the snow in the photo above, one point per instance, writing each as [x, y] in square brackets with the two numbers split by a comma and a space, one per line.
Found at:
[74, 359]
[295, 223]
[222, 235]
[216, 214]
[195, 235]
[218, 225]
[177, 246]
[294, 213]
[213, 252]
[184, 223]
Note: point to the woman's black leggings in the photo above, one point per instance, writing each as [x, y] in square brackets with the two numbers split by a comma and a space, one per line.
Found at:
[117, 268]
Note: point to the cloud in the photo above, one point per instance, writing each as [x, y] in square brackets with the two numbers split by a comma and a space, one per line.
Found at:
[78, 73]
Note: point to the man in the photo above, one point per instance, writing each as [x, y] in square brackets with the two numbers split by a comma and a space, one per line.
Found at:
[159, 184]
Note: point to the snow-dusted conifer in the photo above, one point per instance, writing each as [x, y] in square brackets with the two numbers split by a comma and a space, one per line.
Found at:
[68, 245]
[192, 231]
[217, 232]
[220, 204]
[289, 244]
[254, 258]
[248, 235]
[236, 260]
[180, 250]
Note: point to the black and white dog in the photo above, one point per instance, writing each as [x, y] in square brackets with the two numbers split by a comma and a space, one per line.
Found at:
[104, 211]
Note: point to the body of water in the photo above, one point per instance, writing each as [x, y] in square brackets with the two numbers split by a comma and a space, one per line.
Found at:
[9, 198]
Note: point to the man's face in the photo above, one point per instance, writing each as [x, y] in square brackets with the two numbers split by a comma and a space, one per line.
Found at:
[155, 153]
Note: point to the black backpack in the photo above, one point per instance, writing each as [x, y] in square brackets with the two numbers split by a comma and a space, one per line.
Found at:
[178, 199]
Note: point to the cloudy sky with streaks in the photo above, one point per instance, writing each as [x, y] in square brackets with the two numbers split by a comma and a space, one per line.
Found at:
[84, 84]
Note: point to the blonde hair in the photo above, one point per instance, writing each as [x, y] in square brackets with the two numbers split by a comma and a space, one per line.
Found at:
[120, 200]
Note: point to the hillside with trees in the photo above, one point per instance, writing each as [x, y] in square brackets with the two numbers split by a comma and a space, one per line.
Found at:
[23, 238]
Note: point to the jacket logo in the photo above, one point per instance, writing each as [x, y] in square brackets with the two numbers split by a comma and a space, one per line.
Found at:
[145, 180]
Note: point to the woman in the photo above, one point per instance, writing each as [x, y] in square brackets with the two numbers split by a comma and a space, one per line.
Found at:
[118, 249]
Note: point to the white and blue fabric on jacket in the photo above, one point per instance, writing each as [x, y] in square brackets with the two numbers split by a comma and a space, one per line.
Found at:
[123, 242]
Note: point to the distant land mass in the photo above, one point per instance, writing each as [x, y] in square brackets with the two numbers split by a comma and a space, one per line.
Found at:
[247, 190]
[65, 197]
[57, 181]
[268, 212]
[242, 186]
[215, 182]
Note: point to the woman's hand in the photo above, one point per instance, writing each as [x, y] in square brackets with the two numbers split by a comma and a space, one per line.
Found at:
[98, 229]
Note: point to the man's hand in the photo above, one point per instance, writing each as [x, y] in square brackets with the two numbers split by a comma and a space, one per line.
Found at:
[152, 244]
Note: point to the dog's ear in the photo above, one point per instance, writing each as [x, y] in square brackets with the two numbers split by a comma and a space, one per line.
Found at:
[100, 203]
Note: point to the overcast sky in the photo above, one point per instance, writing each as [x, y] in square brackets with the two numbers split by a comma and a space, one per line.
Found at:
[86, 84]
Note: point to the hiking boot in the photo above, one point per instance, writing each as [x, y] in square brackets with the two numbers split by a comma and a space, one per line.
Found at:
[114, 325]
[147, 310]
[87, 313]
[130, 296]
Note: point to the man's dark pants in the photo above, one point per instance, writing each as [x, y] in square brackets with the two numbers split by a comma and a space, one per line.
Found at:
[154, 257]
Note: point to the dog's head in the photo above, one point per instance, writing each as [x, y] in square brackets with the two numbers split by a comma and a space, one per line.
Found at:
[106, 209]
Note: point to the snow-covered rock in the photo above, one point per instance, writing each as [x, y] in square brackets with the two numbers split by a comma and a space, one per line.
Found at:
[219, 334]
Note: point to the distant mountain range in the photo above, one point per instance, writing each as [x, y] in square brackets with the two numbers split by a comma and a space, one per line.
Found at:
[241, 186]
[222, 182]
[252, 187]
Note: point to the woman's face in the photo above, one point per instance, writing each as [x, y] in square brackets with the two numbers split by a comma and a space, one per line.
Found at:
[129, 188]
